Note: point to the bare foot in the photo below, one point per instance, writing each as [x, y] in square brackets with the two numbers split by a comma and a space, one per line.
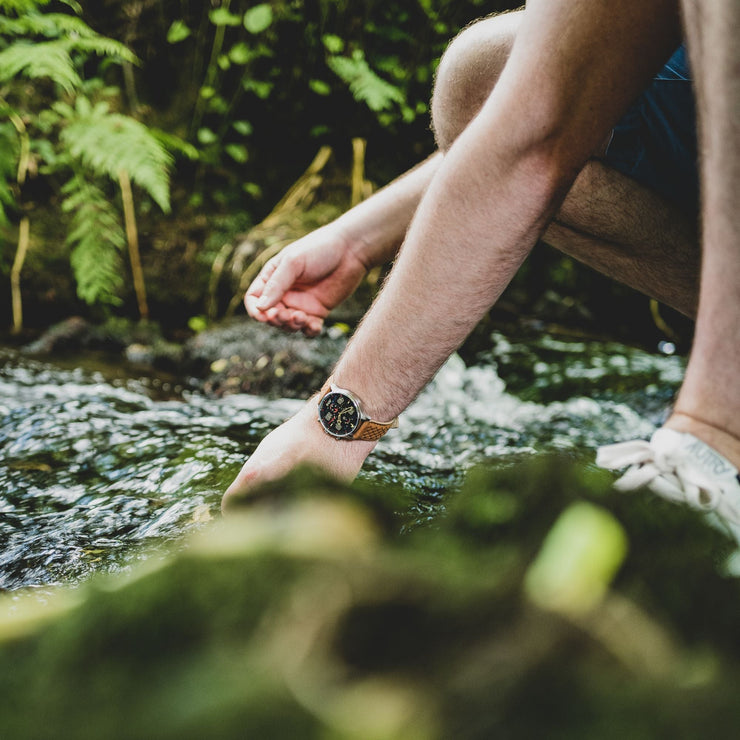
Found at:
[300, 440]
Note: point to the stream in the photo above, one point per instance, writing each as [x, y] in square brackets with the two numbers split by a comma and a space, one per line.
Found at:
[99, 470]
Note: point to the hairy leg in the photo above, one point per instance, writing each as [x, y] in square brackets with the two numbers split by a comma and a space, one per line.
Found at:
[607, 221]
[709, 402]
[626, 231]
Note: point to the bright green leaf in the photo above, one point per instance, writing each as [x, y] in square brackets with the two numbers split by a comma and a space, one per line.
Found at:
[259, 88]
[178, 31]
[206, 136]
[253, 189]
[258, 18]
[223, 17]
[333, 44]
[238, 152]
[242, 127]
[239, 53]
[319, 87]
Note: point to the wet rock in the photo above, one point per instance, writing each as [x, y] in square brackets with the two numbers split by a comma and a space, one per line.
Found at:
[67, 336]
[243, 356]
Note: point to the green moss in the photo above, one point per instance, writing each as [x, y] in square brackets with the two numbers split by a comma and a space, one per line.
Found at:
[309, 616]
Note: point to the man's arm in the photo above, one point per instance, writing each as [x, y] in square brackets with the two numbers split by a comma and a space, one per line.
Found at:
[297, 288]
[574, 68]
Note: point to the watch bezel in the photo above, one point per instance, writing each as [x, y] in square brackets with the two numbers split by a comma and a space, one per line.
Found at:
[334, 391]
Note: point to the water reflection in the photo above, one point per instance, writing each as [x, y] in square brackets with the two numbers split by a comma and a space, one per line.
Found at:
[92, 469]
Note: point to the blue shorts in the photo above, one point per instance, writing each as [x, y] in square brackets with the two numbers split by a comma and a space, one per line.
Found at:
[655, 142]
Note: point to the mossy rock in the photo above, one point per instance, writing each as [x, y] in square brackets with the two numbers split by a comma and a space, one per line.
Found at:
[314, 613]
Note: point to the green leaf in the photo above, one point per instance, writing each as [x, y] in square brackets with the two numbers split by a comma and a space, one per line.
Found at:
[238, 152]
[197, 323]
[252, 189]
[239, 53]
[258, 19]
[178, 31]
[97, 240]
[364, 84]
[319, 87]
[259, 88]
[333, 44]
[206, 136]
[46, 59]
[107, 143]
[223, 17]
[175, 144]
[218, 105]
[244, 128]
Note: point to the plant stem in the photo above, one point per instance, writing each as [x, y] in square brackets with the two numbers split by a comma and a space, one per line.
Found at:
[23, 228]
[358, 170]
[132, 237]
[211, 72]
[15, 274]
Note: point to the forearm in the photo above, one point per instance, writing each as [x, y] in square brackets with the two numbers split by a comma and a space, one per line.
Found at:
[376, 227]
[468, 238]
[499, 185]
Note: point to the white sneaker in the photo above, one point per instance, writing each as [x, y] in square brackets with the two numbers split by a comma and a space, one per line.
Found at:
[678, 467]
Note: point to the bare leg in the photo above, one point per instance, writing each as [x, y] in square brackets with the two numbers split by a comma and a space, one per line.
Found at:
[608, 221]
[626, 231]
[709, 401]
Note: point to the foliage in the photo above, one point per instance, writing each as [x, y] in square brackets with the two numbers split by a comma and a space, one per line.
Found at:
[364, 84]
[96, 239]
[59, 131]
[310, 616]
[106, 143]
[290, 72]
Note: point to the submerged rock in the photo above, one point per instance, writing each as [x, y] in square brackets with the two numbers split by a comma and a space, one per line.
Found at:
[311, 616]
[244, 356]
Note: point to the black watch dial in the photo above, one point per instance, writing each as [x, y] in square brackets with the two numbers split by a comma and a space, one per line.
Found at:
[339, 414]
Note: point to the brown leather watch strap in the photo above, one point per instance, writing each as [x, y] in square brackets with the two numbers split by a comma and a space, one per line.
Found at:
[372, 430]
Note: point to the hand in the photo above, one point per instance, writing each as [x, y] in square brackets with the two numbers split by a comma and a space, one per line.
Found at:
[300, 440]
[297, 288]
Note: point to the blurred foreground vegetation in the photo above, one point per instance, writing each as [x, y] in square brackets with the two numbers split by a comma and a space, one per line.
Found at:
[541, 604]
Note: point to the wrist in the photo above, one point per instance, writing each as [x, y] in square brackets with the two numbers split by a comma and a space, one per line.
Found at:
[369, 239]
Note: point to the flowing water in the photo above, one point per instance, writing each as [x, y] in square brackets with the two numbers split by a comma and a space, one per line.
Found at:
[98, 471]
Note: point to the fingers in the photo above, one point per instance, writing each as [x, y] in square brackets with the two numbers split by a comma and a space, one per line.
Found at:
[263, 300]
[278, 280]
[256, 289]
[291, 319]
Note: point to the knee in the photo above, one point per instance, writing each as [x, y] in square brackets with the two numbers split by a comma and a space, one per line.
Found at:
[468, 72]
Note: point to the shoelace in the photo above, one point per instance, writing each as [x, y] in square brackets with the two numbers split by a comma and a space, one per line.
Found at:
[662, 473]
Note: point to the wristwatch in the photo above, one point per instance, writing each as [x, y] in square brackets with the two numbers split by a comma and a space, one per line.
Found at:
[341, 416]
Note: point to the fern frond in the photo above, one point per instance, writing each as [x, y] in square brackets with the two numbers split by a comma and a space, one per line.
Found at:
[97, 240]
[49, 25]
[102, 46]
[44, 59]
[363, 83]
[107, 143]
[175, 144]
[21, 6]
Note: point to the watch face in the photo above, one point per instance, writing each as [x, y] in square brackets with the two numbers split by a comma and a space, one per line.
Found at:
[338, 414]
